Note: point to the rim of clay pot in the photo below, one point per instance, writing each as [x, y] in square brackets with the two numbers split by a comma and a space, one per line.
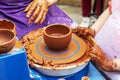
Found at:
[14, 26]
[45, 28]
[10, 39]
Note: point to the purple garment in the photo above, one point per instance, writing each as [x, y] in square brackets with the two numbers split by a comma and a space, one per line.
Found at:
[13, 10]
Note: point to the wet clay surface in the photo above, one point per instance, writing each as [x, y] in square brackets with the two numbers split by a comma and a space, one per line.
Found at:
[7, 41]
[57, 36]
[93, 51]
[28, 40]
[4, 37]
[6, 24]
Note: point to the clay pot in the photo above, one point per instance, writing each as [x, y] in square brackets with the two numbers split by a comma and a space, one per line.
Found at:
[57, 36]
[7, 24]
[7, 40]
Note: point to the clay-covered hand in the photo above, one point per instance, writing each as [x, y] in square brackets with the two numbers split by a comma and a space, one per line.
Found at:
[102, 61]
[83, 31]
[97, 54]
[37, 11]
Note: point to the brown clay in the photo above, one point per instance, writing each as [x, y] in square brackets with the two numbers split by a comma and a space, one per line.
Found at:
[45, 62]
[57, 36]
[7, 40]
[7, 24]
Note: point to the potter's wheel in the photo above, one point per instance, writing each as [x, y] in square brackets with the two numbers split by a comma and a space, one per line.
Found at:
[75, 50]
[66, 62]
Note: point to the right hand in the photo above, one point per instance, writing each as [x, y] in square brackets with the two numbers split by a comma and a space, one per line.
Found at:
[37, 9]
[83, 31]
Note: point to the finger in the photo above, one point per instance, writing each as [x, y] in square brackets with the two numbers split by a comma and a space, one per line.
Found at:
[93, 55]
[37, 10]
[27, 8]
[43, 17]
[39, 16]
[31, 9]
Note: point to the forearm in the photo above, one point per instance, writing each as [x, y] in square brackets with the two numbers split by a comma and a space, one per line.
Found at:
[101, 20]
[51, 2]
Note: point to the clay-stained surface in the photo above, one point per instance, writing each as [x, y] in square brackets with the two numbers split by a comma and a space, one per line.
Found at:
[45, 62]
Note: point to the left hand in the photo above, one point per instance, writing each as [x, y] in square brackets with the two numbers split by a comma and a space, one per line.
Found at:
[37, 9]
[83, 31]
[100, 59]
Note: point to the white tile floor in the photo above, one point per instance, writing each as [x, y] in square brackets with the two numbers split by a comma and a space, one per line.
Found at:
[75, 13]
[72, 11]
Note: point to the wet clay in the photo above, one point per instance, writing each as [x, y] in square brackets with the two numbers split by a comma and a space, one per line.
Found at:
[56, 35]
[3, 38]
[29, 39]
[7, 24]
[7, 40]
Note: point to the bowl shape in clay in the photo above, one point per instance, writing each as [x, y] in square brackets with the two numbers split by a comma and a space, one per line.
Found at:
[57, 36]
[7, 40]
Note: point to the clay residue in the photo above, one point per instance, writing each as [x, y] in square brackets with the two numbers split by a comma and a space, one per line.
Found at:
[93, 51]
[29, 40]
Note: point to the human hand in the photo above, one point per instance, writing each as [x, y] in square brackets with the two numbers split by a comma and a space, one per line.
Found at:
[83, 31]
[100, 59]
[97, 54]
[37, 11]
